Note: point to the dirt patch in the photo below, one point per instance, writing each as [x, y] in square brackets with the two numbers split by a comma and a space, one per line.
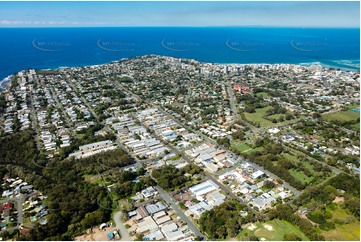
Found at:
[252, 227]
[339, 200]
[305, 217]
[268, 227]
[95, 234]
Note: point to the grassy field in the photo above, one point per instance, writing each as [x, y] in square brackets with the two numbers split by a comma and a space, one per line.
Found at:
[290, 157]
[349, 231]
[262, 94]
[244, 148]
[338, 213]
[276, 116]
[253, 150]
[241, 146]
[80, 136]
[309, 167]
[278, 230]
[93, 179]
[356, 126]
[299, 175]
[260, 112]
[343, 116]
[258, 116]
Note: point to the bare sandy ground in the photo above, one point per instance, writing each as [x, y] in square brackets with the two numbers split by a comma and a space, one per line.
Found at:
[95, 235]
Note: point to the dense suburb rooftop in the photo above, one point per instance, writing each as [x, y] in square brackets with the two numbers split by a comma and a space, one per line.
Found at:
[164, 148]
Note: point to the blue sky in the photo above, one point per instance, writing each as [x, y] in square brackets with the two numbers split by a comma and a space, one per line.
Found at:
[77, 14]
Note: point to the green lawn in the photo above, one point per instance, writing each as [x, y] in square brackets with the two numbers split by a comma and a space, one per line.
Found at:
[356, 126]
[276, 233]
[177, 157]
[258, 116]
[244, 148]
[253, 150]
[241, 146]
[93, 179]
[338, 213]
[348, 231]
[80, 136]
[299, 175]
[290, 157]
[309, 167]
[276, 116]
[262, 94]
[343, 116]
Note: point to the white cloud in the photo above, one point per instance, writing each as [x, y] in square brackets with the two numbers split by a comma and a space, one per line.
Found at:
[12, 22]
[21, 22]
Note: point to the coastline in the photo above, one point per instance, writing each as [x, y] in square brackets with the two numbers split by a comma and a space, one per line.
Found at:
[6, 82]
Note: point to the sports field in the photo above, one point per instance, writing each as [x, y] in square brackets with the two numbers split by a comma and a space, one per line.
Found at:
[343, 116]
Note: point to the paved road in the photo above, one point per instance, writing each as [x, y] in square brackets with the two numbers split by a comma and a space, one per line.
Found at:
[83, 99]
[208, 175]
[60, 105]
[169, 200]
[121, 227]
[19, 208]
[292, 189]
[34, 121]
[19, 200]
[232, 101]
[333, 169]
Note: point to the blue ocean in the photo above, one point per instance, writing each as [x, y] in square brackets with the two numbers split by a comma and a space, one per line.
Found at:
[51, 48]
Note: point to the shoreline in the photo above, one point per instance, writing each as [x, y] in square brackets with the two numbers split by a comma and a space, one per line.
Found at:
[5, 82]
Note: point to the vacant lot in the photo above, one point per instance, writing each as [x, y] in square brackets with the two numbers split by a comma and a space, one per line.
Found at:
[271, 230]
[343, 116]
[244, 148]
[290, 157]
[347, 231]
[299, 175]
[344, 232]
[309, 167]
[258, 116]
[262, 94]
[241, 146]
[260, 112]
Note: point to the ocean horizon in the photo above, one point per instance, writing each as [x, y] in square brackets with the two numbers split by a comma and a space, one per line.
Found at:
[53, 48]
